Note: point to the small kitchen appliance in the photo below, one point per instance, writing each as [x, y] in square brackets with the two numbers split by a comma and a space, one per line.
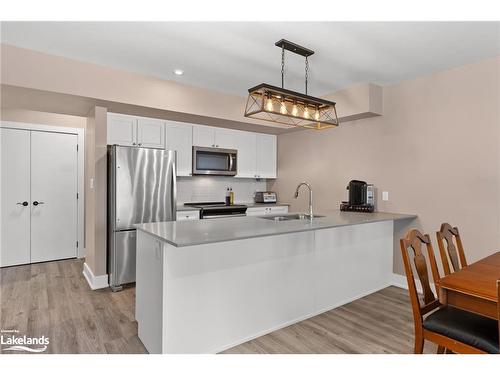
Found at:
[214, 161]
[361, 197]
[266, 197]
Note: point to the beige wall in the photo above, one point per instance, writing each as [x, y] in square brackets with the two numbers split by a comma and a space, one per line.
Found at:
[95, 196]
[45, 118]
[435, 150]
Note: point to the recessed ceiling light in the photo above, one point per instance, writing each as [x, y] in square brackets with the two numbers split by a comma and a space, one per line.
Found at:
[178, 72]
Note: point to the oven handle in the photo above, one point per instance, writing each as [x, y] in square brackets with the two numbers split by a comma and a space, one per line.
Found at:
[218, 216]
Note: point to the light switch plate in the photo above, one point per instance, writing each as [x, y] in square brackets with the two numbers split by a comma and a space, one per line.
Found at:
[385, 195]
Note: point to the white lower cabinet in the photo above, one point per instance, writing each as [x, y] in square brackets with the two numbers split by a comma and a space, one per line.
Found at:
[188, 215]
[263, 210]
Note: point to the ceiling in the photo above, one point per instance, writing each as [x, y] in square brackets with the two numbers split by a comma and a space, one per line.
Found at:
[231, 57]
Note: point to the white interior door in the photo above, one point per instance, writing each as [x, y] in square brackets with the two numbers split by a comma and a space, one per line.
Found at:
[54, 176]
[15, 197]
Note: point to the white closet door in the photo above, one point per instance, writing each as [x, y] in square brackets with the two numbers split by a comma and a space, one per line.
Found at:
[54, 176]
[15, 191]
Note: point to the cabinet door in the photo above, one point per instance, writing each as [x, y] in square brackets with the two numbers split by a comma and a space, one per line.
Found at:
[54, 176]
[180, 139]
[203, 136]
[226, 138]
[188, 215]
[266, 156]
[247, 153]
[122, 130]
[15, 190]
[151, 133]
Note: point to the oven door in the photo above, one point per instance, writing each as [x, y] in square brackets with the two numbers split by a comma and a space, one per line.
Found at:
[214, 161]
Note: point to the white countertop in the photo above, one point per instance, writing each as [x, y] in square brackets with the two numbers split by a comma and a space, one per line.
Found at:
[198, 232]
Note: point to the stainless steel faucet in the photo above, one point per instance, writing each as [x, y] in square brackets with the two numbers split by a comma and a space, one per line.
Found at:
[310, 197]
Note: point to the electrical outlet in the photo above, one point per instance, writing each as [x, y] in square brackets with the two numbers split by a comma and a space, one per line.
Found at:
[385, 195]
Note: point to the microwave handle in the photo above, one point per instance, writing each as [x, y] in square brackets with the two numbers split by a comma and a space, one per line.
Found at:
[231, 161]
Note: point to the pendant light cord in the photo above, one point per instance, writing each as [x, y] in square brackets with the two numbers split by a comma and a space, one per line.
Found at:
[283, 67]
[307, 71]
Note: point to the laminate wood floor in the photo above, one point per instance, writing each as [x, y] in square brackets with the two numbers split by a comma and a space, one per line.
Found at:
[54, 299]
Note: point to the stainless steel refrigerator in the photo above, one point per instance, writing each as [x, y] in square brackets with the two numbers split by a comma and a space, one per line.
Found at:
[141, 189]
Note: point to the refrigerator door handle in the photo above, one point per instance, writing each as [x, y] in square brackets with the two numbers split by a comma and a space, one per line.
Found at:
[174, 188]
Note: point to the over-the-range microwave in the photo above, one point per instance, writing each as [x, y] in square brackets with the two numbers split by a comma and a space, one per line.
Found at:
[214, 161]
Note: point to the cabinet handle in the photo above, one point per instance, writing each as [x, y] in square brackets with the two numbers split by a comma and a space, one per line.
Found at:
[23, 203]
[36, 203]
[139, 144]
[133, 143]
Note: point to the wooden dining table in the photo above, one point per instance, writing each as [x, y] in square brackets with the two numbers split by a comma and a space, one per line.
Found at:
[474, 287]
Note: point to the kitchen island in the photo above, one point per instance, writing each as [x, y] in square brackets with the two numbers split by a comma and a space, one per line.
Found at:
[205, 286]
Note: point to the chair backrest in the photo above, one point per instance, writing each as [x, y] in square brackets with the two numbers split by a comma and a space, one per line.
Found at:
[498, 310]
[412, 245]
[449, 251]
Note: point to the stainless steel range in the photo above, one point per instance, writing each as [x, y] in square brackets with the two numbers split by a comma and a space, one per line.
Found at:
[212, 210]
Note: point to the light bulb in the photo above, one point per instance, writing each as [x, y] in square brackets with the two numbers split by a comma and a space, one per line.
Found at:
[294, 110]
[316, 115]
[269, 105]
[283, 108]
[306, 113]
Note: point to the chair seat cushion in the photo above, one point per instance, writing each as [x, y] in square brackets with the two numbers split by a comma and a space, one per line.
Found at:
[464, 326]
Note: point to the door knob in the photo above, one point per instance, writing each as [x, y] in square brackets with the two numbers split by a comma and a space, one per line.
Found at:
[23, 203]
[36, 203]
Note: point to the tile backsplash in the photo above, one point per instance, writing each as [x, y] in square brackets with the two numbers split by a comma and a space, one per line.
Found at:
[212, 188]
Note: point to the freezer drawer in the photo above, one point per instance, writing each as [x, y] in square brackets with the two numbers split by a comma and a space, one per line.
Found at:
[122, 258]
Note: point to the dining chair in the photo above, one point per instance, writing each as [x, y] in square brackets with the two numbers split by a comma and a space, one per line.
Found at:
[450, 328]
[452, 251]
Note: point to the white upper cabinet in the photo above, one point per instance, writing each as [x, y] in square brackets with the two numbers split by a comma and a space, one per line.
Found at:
[122, 130]
[226, 138]
[203, 136]
[247, 154]
[151, 133]
[256, 151]
[128, 130]
[180, 139]
[266, 156]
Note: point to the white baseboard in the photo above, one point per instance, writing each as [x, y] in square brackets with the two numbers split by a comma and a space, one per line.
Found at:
[401, 282]
[95, 282]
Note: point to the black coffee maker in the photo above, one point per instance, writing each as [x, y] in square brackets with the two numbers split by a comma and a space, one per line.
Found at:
[357, 192]
[358, 197]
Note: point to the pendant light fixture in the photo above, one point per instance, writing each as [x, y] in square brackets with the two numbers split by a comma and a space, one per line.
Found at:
[275, 104]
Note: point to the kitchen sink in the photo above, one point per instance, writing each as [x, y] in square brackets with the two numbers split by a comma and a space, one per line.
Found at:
[290, 217]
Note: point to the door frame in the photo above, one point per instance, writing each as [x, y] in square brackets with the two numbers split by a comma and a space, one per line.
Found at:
[80, 133]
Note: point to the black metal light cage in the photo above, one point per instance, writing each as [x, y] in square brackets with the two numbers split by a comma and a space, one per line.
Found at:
[277, 104]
